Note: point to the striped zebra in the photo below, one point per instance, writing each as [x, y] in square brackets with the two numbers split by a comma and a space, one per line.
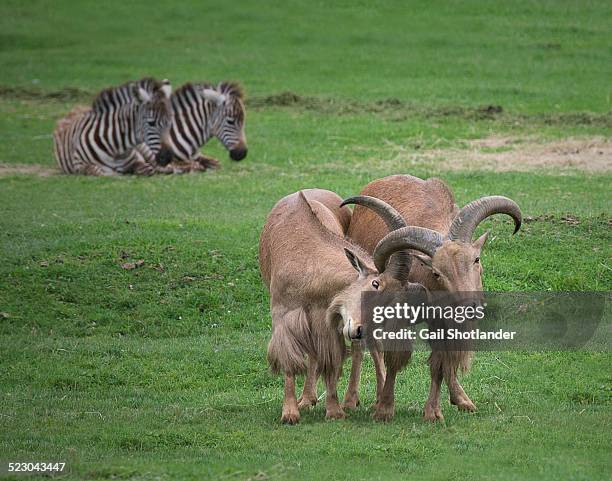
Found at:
[120, 133]
[202, 111]
[113, 98]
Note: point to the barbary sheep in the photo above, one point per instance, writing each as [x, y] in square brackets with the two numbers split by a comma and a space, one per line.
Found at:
[440, 237]
[315, 278]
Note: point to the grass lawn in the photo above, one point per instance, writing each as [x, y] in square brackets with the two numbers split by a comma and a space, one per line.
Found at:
[159, 372]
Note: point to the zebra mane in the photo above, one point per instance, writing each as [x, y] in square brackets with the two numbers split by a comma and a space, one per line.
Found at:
[233, 89]
[186, 91]
[189, 88]
[123, 94]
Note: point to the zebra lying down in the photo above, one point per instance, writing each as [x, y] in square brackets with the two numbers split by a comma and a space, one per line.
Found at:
[121, 133]
[202, 111]
[199, 111]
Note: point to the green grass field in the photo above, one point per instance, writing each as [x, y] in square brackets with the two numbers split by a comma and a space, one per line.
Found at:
[159, 372]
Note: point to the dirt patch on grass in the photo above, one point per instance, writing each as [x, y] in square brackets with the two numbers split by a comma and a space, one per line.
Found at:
[26, 169]
[504, 154]
[398, 110]
[390, 108]
[30, 93]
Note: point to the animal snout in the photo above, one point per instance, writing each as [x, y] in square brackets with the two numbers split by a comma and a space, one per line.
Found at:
[477, 300]
[239, 152]
[164, 156]
[352, 332]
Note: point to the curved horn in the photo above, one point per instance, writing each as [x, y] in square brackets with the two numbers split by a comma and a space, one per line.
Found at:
[399, 267]
[412, 237]
[465, 222]
[392, 218]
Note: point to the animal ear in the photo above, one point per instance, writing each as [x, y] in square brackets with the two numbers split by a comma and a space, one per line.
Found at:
[478, 243]
[143, 95]
[166, 88]
[213, 96]
[231, 88]
[426, 260]
[139, 94]
[356, 262]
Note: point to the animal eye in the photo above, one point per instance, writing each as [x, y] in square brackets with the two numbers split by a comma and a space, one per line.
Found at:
[477, 260]
[231, 121]
[436, 275]
[151, 123]
[375, 284]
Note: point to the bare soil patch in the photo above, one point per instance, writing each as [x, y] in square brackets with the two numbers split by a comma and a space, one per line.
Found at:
[31, 93]
[26, 169]
[504, 154]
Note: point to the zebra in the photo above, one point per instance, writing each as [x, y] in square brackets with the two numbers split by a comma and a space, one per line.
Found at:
[121, 133]
[113, 98]
[202, 111]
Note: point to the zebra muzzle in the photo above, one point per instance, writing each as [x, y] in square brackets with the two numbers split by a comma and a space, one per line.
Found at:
[164, 156]
[238, 153]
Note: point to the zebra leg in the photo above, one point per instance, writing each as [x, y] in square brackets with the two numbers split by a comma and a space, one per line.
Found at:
[188, 166]
[134, 163]
[104, 171]
[93, 169]
[165, 169]
[177, 166]
[207, 162]
[143, 168]
[147, 156]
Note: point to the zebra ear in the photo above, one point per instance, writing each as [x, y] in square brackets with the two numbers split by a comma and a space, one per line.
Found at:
[143, 95]
[166, 88]
[213, 96]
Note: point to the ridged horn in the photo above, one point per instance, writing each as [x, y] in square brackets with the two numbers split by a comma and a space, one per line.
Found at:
[424, 240]
[399, 266]
[465, 222]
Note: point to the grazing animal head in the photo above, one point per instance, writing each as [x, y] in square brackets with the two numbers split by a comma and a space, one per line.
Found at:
[228, 117]
[389, 274]
[453, 260]
[155, 117]
[346, 307]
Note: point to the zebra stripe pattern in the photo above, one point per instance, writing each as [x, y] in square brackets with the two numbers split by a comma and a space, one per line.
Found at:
[113, 98]
[119, 134]
[202, 111]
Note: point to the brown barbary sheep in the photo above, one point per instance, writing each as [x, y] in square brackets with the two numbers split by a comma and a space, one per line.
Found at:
[315, 278]
[439, 235]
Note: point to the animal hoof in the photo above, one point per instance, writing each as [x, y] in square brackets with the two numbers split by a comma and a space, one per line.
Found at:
[464, 404]
[290, 418]
[306, 403]
[467, 406]
[383, 413]
[351, 403]
[338, 414]
[432, 414]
